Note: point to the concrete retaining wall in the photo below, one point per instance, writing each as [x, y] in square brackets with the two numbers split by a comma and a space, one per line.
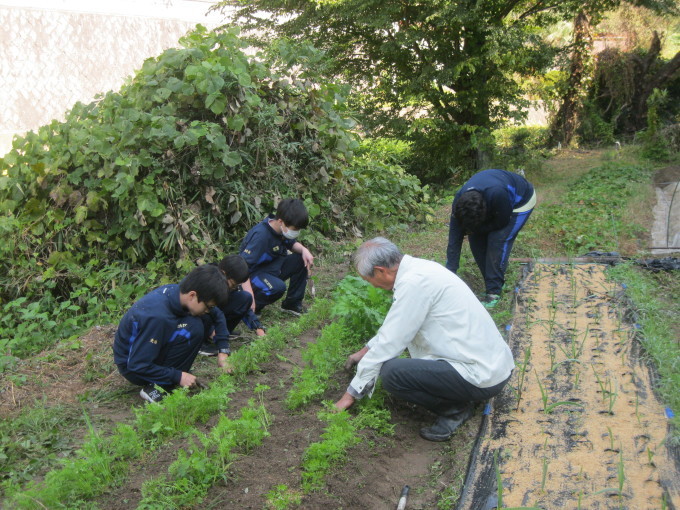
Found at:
[54, 53]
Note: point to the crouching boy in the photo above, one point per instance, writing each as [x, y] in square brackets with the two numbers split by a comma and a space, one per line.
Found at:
[159, 337]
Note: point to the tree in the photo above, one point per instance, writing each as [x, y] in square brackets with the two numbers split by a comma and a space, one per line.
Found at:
[651, 74]
[443, 73]
[565, 123]
[440, 72]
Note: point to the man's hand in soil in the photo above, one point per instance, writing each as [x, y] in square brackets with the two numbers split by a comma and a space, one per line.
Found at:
[260, 332]
[345, 402]
[223, 363]
[355, 358]
[187, 380]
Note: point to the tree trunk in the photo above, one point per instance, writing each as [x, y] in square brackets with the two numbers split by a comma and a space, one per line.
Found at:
[648, 78]
[565, 122]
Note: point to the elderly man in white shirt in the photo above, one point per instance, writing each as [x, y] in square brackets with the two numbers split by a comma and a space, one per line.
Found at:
[457, 355]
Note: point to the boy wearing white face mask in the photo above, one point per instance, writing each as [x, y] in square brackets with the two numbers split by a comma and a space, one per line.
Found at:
[266, 249]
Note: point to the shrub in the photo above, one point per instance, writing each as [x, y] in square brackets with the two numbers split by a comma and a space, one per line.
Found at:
[171, 171]
[520, 147]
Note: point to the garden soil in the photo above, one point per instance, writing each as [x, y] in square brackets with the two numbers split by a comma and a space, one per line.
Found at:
[375, 470]
[603, 450]
[579, 426]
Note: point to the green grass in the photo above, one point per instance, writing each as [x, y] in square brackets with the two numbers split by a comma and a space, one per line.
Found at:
[656, 298]
[34, 441]
[590, 214]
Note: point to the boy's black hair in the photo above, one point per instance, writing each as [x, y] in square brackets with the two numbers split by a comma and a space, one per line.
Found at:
[470, 211]
[235, 267]
[293, 213]
[209, 284]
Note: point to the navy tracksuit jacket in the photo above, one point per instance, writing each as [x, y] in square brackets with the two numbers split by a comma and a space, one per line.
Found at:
[269, 263]
[502, 191]
[157, 339]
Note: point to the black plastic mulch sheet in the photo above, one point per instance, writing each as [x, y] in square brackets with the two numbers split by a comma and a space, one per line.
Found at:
[656, 265]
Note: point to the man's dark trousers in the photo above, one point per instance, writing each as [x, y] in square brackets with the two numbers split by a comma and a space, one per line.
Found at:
[492, 251]
[432, 384]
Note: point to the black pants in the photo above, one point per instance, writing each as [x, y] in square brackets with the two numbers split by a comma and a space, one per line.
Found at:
[269, 285]
[236, 308]
[179, 354]
[492, 251]
[433, 384]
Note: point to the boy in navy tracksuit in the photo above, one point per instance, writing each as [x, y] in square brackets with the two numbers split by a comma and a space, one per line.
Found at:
[265, 248]
[159, 337]
[237, 308]
[490, 208]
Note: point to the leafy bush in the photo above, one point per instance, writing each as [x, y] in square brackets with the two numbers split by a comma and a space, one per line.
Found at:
[192, 152]
[654, 144]
[520, 147]
[361, 306]
[593, 129]
[518, 139]
[389, 150]
[442, 150]
[92, 296]
[172, 170]
[396, 195]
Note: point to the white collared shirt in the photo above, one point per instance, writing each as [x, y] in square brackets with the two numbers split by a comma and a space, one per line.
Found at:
[436, 316]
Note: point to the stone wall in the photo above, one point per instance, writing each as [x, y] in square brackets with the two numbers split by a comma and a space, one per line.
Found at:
[50, 59]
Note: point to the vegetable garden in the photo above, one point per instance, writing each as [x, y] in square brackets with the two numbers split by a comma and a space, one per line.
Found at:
[264, 437]
[581, 426]
[139, 186]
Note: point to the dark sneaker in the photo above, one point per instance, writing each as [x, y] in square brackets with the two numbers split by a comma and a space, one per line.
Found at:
[151, 394]
[490, 300]
[208, 350]
[445, 426]
[295, 309]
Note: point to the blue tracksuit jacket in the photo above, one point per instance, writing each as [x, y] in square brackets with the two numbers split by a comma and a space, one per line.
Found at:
[148, 329]
[503, 191]
[263, 245]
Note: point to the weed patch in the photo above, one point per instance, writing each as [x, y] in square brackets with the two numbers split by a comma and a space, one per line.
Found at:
[590, 215]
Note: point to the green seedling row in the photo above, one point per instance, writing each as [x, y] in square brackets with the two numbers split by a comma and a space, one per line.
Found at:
[207, 461]
[102, 462]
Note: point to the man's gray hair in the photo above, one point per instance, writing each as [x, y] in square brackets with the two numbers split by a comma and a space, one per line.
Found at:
[376, 252]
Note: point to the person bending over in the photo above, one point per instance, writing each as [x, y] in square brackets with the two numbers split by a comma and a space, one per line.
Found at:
[457, 355]
[490, 209]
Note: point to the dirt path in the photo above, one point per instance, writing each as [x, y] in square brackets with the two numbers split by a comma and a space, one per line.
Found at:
[582, 427]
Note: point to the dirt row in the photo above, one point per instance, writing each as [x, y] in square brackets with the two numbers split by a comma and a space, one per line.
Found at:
[580, 426]
[372, 476]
